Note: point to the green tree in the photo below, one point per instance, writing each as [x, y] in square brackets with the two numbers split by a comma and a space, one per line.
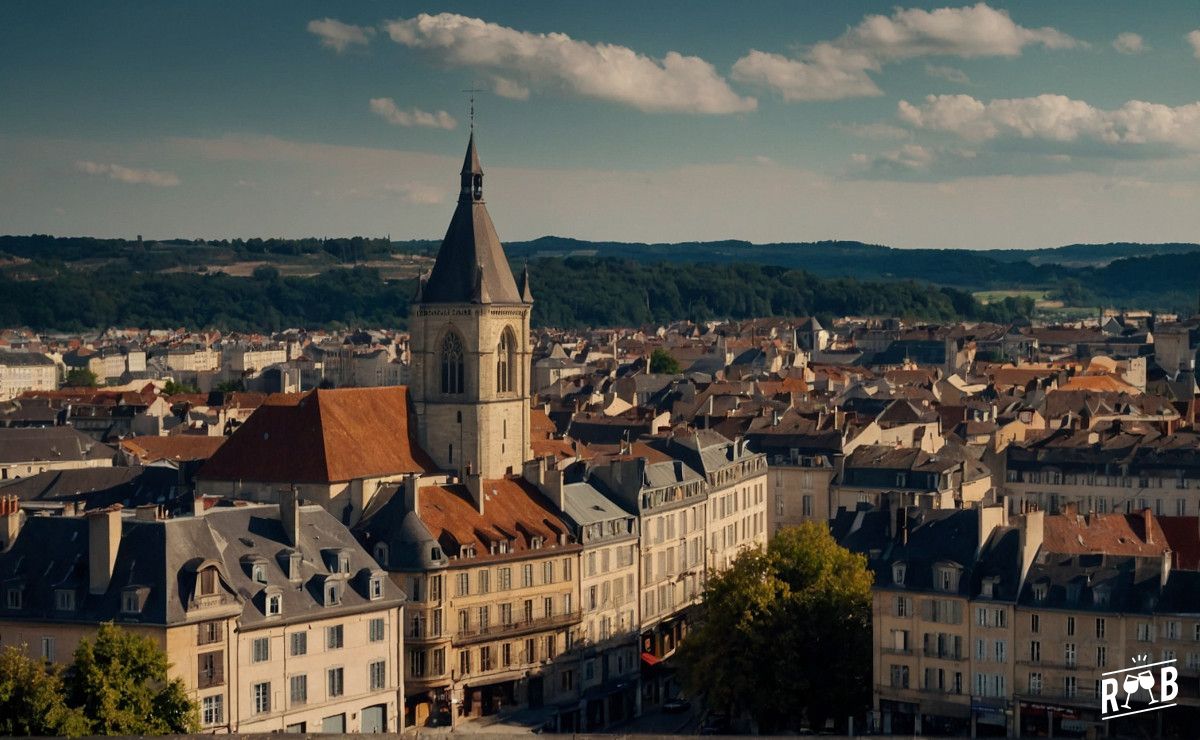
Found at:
[120, 682]
[661, 361]
[230, 386]
[81, 377]
[170, 388]
[32, 701]
[785, 633]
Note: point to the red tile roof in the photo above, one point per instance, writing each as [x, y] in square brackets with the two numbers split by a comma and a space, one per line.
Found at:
[1110, 534]
[513, 509]
[326, 436]
[175, 447]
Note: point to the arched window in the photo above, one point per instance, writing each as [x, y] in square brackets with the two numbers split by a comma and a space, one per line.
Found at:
[452, 364]
[504, 362]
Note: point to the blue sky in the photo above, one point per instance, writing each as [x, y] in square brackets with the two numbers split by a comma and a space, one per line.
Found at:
[1000, 125]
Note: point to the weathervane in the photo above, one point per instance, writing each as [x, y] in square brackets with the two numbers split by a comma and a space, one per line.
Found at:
[471, 92]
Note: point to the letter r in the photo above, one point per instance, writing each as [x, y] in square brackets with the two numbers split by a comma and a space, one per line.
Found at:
[1108, 693]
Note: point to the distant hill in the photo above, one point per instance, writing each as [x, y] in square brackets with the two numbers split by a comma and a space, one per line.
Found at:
[53, 282]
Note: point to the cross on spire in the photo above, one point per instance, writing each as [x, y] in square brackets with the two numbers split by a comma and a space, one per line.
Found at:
[471, 93]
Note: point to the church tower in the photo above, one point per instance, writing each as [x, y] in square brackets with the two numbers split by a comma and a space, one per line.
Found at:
[470, 344]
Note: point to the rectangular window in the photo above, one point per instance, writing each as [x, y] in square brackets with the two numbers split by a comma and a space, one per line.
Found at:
[566, 569]
[261, 693]
[416, 663]
[210, 670]
[378, 675]
[485, 581]
[261, 649]
[1070, 626]
[1035, 683]
[548, 571]
[1101, 656]
[527, 575]
[1035, 652]
[463, 585]
[299, 643]
[506, 655]
[505, 579]
[530, 650]
[336, 684]
[464, 662]
[1035, 623]
[334, 637]
[439, 661]
[298, 689]
[210, 632]
[375, 630]
[485, 658]
[1069, 655]
[212, 710]
[1100, 627]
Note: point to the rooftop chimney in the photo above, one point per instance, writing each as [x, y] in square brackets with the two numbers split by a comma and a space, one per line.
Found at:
[289, 515]
[104, 539]
[150, 513]
[474, 483]
[412, 491]
[1148, 522]
[11, 519]
[1032, 532]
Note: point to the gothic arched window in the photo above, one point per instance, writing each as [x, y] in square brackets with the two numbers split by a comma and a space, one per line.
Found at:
[452, 364]
[504, 362]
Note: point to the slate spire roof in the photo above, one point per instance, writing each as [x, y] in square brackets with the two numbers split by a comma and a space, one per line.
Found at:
[471, 266]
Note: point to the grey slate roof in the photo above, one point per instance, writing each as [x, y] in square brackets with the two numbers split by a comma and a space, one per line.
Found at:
[162, 556]
[471, 266]
[54, 444]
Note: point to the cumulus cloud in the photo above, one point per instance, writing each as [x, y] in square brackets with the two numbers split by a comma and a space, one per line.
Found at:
[130, 175]
[675, 83]
[839, 68]
[1057, 118]
[387, 109]
[506, 88]
[949, 74]
[877, 130]
[340, 36]
[1193, 38]
[910, 157]
[1129, 43]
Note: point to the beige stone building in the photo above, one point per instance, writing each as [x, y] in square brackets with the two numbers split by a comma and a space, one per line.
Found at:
[26, 371]
[25, 452]
[470, 345]
[273, 622]
[492, 573]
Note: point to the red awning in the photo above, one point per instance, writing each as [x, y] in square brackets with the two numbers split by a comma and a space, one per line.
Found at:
[649, 659]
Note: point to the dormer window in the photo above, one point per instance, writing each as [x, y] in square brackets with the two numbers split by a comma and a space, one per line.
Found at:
[64, 600]
[898, 571]
[343, 562]
[14, 598]
[259, 572]
[208, 581]
[435, 553]
[381, 553]
[333, 593]
[535, 543]
[375, 588]
[467, 551]
[946, 578]
[1100, 595]
[1040, 591]
[133, 599]
[988, 587]
[274, 604]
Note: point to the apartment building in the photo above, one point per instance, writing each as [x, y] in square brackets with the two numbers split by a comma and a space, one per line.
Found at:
[273, 617]
[671, 503]
[1115, 468]
[26, 371]
[492, 570]
[877, 474]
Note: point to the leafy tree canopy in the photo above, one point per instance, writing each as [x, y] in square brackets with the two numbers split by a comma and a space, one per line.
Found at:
[81, 377]
[777, 627]
[32, 700]
[661, 361]
[120, 682]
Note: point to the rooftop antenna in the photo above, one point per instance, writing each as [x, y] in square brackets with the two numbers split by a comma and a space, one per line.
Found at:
[471, 97]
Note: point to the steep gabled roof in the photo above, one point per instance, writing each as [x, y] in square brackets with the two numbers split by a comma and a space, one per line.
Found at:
[327, 436]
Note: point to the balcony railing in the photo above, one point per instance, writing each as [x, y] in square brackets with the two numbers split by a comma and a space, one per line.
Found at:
[944, 654]
[515, 629]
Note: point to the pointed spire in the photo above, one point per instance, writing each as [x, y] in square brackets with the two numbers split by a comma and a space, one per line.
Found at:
[471, 164]
[523, 285]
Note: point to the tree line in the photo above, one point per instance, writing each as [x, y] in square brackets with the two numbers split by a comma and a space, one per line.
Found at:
[569, 293]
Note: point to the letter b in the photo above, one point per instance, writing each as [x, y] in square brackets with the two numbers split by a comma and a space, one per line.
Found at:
[1167, 685]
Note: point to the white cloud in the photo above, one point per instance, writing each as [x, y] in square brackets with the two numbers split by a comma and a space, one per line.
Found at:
[1129, 43]
[838, 69]
[506, 88]
[418, 194]
[1057, 118]
[386, 109]
[130, 175]
[908, 157]
[1193, 38]
[340, 36]
[675, 84]
[949, 74]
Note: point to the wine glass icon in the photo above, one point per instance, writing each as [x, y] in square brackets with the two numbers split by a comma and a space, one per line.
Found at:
[1130, 685]
[1146, 681]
